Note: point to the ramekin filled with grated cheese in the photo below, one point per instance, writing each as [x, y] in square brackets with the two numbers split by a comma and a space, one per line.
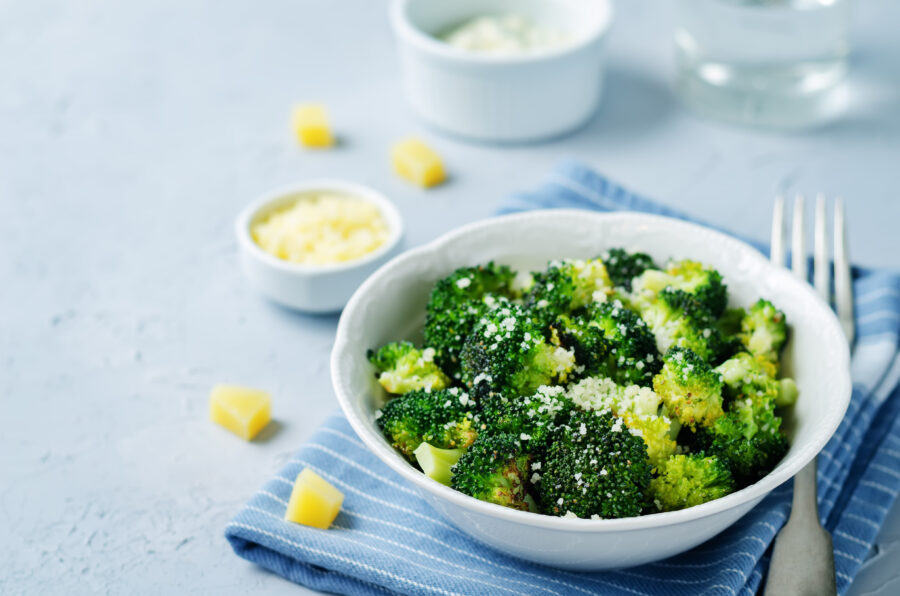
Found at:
[308, 246]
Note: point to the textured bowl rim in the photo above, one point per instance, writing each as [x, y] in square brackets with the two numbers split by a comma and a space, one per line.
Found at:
[375, 442]
[412, 34]
[387, 209]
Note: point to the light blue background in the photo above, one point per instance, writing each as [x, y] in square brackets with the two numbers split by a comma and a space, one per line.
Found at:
[130, 136]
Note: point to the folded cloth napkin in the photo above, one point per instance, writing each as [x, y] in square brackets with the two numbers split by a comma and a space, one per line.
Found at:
[388, 540]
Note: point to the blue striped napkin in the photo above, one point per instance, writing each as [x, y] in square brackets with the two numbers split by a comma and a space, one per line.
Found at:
[387, 540]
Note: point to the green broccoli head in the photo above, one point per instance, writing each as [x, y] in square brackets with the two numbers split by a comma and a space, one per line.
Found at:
[640, 408]
[691, 390]
[686, 480]
[495, 469]
[623, 266]
[747, 438]
[506, 356]
[612, 341]
[457, 303]
[530, 418]
[567, 286]
[593, 466]
[764, 330]
[445, 419]
[676, 318]
[745, 374]
[401, 367]
[632, 357]
[704, 284]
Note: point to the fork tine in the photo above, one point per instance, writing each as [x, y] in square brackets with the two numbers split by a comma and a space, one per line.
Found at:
[798, 240]
[842, 286]
[776, 254]
[821, 266]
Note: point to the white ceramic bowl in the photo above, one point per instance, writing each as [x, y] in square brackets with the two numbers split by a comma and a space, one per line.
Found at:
[312, 288]
[390, 305]
[514, 98]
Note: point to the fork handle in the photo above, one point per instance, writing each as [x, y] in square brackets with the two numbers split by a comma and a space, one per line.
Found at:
[803, 557]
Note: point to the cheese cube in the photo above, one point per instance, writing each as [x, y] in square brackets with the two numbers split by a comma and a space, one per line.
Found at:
[242, 410]
[314, 502]
[417, 162]
[310, 122]
[436, 463]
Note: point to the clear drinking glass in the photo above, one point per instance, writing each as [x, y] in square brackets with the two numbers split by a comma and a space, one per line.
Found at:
[769, 63]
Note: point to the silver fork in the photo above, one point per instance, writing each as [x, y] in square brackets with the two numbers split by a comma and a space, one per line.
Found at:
[803, 557]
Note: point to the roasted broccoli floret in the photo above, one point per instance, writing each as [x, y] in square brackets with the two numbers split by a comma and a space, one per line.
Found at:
[640, 408]
[457, 302]
[632, 357]
[567, 286]
[592, 467]
[691, 390]
[445, 419]
[764, 330]
[506, 356]
[703, 283]
[676, 318]
[612, 341]
[530, 418]
[687, 480]
[494, 469]
[747, 438]
[623, 266]
[746, 375]
[402, 367]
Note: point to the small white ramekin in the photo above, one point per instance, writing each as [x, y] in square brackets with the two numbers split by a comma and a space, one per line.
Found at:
[502, 98]
[312, 288]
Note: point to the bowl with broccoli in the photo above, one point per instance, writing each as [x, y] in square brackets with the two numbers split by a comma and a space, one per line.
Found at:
[590, 390]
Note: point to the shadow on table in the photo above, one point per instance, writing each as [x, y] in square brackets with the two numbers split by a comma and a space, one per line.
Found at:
[272, 429]
[295, 316]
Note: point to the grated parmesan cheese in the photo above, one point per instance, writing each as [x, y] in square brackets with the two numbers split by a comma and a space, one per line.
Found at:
[320, 228]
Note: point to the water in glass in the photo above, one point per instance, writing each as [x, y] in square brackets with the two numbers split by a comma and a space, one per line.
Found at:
[770, 63]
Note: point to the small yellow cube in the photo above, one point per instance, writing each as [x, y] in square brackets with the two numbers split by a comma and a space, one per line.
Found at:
[417, 162]
[314, 502]
[310, 122]
[242, 410]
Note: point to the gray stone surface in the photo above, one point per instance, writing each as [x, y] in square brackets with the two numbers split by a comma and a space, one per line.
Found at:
[131, 133]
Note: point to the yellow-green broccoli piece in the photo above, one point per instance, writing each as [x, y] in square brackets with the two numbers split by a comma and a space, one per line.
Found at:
[686, 480]
[764, 330]
[640, 408]
[401, 367]
[567, 286]
[690, 388]
[495, 469]
[445, 419]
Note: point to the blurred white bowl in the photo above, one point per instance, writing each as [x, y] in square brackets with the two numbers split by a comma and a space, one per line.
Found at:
[390, 305]
[312, 288]
[506, 98]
